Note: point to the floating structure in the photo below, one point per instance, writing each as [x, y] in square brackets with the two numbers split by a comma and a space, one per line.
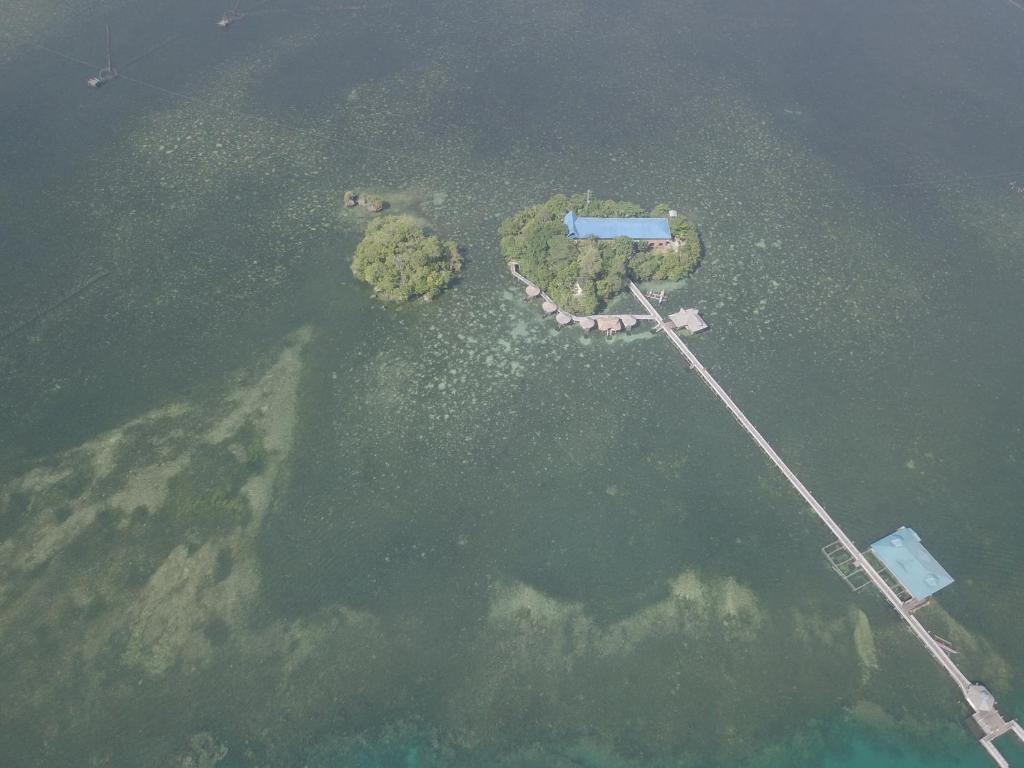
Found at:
[106, 74]
[689, 319]
[921, 571]
[655, 231]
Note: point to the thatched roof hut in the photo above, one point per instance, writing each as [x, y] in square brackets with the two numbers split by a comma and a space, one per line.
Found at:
[609, 324]
[562, 319]
[628, 322]
[532, 291]
[587, 323]
[548, 308]
[689, 319]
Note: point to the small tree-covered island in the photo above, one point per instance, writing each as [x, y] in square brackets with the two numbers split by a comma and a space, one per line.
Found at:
[581, 255]
[402, 262]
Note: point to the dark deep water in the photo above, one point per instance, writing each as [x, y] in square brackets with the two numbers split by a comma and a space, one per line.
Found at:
[243, 507]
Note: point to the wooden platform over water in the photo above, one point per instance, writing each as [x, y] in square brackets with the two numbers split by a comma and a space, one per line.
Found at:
[606, 323]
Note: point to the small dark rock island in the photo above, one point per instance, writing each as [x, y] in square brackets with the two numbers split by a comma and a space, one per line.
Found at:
[372, 203]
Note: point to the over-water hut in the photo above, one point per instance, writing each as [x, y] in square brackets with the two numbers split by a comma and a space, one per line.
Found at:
[532, 291]
[548, 307]
[628, 322]
[562, 319]
[587, 323]
[689, 319]
[609, 324]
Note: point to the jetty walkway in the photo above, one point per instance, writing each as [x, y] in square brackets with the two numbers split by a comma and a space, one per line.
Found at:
[989, 724]
[563, 317]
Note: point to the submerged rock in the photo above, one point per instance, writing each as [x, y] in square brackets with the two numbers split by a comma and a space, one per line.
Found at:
[864, 642]
[204, 751]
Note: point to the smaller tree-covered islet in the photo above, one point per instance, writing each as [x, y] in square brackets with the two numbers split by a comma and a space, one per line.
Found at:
[402, 262]
[582, 275]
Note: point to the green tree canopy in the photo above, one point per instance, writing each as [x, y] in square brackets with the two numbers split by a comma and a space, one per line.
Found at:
[582, 275]
[401, 262]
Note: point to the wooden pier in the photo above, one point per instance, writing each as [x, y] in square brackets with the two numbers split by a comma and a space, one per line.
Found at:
[854, 566]
[609, 324]
[986, 721]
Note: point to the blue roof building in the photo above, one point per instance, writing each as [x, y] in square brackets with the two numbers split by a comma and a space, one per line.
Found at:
[582, 227]
[913, 566]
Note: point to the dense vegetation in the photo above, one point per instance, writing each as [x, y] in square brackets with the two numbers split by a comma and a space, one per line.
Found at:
[582, 275]
[401, 262]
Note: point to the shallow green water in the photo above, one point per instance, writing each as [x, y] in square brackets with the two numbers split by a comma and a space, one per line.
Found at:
[245, 507]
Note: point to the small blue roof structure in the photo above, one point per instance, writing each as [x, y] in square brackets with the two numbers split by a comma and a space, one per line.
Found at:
[913, 566]
[582, 227]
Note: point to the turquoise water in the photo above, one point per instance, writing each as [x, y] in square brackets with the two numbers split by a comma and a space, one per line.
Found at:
[247, 515]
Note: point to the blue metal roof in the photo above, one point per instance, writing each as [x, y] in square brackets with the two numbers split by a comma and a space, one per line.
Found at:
[580, 227]
[913, 566]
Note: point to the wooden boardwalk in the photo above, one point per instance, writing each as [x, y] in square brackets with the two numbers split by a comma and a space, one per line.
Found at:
[977, 696]
[514, 269]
